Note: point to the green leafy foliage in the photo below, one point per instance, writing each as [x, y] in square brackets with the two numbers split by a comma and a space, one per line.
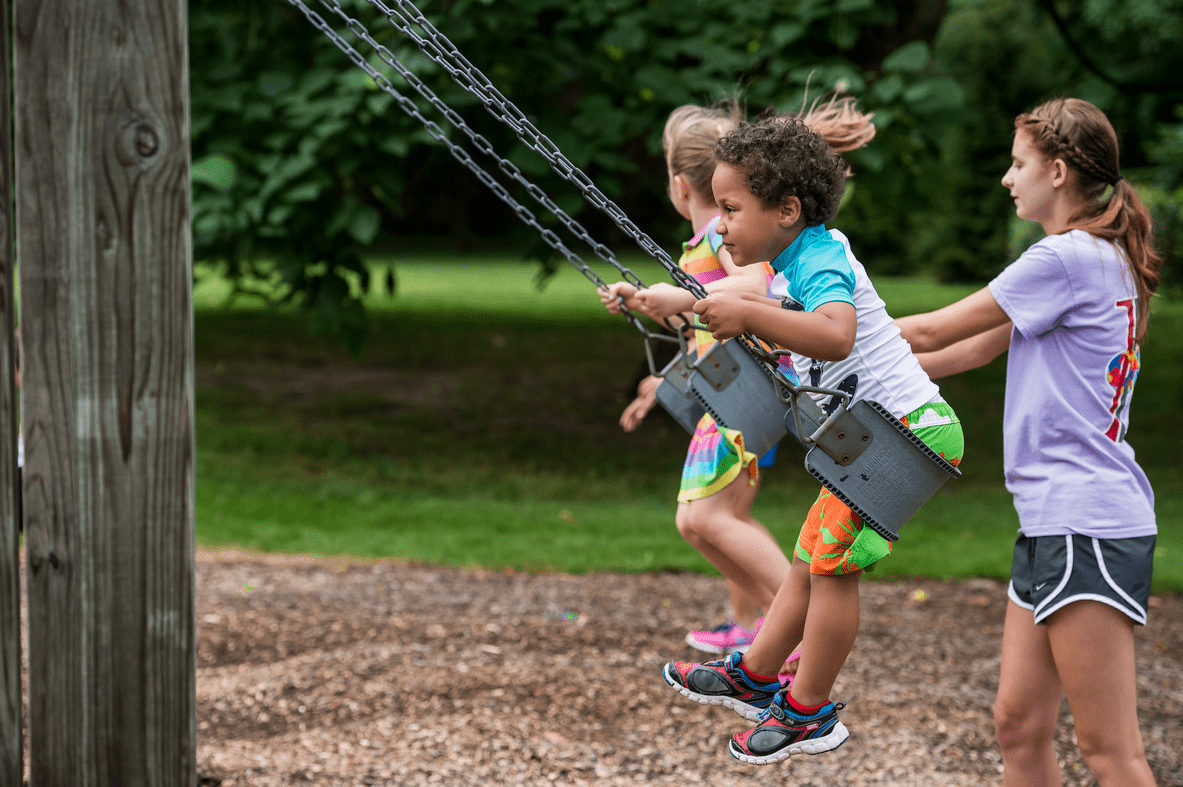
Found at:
[1162, 192]
[302, 165]
[286, 197]
[1011, 55]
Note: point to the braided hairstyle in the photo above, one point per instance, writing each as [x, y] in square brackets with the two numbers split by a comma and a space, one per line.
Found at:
[1081, 136]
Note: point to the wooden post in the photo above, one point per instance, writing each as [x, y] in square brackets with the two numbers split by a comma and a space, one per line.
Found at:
[102, 171]
[11, 742]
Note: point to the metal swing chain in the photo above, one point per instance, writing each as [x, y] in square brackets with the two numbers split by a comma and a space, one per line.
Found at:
[443, 52]
[439, 49]
[461, 155]
[481, 143]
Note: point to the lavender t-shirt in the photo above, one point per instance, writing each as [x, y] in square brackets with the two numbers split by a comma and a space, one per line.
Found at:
[1069, 380]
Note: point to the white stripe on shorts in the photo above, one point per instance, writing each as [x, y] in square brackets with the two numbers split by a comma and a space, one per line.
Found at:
[1141, 618]
[1135, 610]
[1039, 613]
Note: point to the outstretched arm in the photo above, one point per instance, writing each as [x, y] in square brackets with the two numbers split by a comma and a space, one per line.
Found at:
[972, 315]
[966, 354]
[665, 300]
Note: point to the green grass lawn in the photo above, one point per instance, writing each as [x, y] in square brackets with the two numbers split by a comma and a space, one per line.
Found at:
[478, 428]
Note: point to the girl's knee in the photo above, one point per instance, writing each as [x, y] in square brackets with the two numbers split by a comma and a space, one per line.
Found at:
[1018, 728]
[1111, 754]
[690, 523]
[695, 522]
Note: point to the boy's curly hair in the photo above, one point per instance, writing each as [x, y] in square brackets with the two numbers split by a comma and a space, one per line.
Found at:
[783, 157]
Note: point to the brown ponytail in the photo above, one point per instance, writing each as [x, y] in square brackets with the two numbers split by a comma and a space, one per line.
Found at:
[1078, 133]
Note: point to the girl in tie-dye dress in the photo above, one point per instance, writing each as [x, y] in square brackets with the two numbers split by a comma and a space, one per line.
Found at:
[720, 477]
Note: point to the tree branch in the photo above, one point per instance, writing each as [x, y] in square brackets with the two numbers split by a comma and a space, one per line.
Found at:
[1091, 65]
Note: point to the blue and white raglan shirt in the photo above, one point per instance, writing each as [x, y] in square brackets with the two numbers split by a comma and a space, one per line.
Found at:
[819, 268]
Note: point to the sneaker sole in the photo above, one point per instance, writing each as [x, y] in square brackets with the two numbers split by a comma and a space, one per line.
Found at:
[705, 648]
[749, 712]
[715, 649]
[836, 738]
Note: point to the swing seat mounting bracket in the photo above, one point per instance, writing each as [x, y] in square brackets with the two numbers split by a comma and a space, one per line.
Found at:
[843, 436]
[717, 367]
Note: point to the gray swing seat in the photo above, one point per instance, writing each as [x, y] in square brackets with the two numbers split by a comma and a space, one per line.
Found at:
[860, 451]
[740, 393]
[674, 394]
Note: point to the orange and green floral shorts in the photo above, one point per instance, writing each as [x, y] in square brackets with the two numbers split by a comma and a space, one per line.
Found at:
[833, 539]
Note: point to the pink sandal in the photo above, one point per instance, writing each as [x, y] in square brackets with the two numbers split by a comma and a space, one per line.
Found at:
[786, 678]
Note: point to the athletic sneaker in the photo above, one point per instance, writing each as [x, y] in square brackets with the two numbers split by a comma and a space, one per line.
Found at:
[728, 638]
[723, 683]
[783, 732]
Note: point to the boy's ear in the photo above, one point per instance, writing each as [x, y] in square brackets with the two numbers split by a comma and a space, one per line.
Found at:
[790, 212]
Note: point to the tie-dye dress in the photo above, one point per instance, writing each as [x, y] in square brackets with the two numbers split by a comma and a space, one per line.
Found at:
[716, 454]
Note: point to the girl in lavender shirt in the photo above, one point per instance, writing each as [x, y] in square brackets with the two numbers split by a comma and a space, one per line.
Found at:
[1072, 310]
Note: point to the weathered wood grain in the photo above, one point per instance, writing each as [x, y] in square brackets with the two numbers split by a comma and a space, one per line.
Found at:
[102, 171]
[11, 741]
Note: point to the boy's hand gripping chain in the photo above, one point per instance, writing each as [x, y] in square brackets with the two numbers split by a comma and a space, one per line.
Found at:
[866, 456]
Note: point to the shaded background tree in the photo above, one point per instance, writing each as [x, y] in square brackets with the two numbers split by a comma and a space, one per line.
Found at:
[303, 168]
[1011, 55]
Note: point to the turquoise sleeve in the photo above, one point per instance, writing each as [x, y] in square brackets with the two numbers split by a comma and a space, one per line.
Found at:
[825, 276]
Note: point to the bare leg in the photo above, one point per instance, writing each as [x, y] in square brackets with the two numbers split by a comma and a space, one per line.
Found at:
[830, 630]
[745, 611]
[1028, 703]
[1093, 647]
[784, 623]
[722, 529]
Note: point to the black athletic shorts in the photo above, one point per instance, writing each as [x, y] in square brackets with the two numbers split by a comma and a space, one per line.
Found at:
[1050, 572]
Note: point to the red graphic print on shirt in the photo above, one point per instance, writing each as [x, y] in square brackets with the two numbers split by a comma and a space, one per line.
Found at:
[1123, 372]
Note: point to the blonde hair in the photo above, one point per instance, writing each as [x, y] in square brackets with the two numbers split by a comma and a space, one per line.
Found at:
[691, 132]
[840, 123]
[1079, 134]
[689, 140]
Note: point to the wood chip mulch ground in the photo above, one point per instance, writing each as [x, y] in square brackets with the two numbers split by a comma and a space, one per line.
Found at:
[323, 672]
